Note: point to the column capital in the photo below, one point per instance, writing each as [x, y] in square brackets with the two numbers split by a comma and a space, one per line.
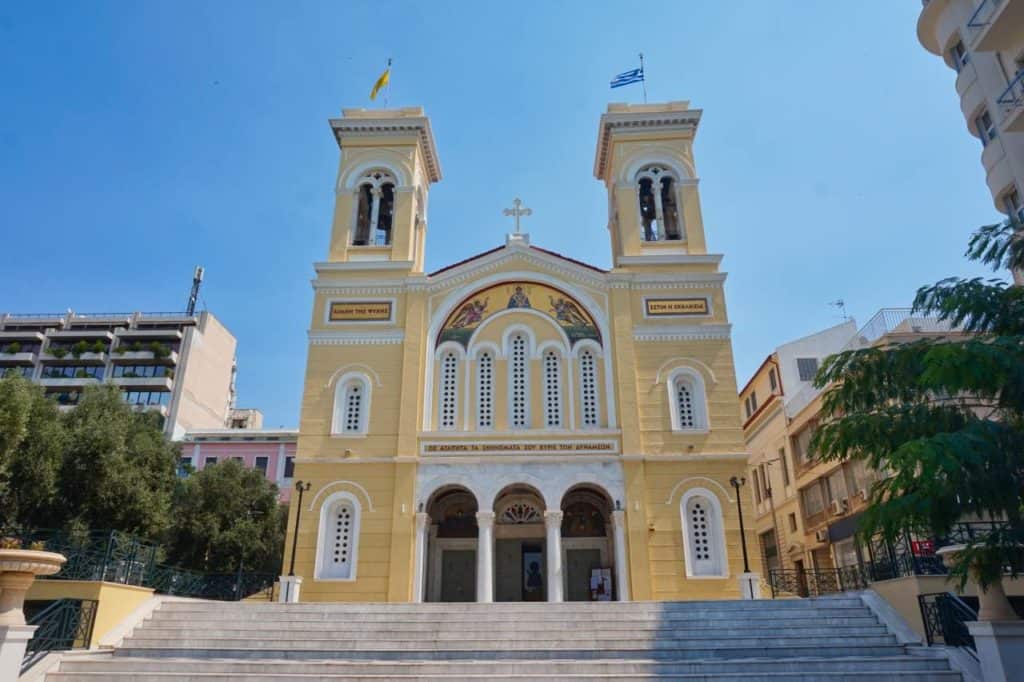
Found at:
[553, 518]
[485, 519]
[619, 518]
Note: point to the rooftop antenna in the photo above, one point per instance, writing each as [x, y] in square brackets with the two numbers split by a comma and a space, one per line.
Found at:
[197, 279]
[840, 305]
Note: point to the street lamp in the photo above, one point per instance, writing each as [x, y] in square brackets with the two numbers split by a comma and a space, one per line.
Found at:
[736, 482]
[301, 487]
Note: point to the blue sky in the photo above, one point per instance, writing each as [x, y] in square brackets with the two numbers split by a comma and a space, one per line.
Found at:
[140, 139]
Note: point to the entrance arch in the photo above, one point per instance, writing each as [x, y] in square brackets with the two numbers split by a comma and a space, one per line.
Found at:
[587, 544]
[452, 545]
[520, 571]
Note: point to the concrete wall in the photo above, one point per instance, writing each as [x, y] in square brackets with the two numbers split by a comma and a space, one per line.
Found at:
[203, 381]
[116, 601]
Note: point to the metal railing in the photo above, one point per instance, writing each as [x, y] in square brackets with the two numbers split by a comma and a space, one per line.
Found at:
[113, 556]
[65, 624]
[1013, 96]
[945, 618]
[982, 16]
[816, 582]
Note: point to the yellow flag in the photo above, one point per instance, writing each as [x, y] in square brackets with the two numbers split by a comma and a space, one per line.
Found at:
[384, 79]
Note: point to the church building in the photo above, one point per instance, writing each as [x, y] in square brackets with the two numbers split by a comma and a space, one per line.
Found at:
[519, 425]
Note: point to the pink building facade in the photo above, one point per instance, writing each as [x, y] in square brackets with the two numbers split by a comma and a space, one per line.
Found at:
[272, 451]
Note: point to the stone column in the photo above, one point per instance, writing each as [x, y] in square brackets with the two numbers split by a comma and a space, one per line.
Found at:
[420, 556]
[553, 525]
[485, 556]
[621, 557]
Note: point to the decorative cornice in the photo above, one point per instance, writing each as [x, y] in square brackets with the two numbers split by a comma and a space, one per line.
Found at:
[671, 259]
[339, 338]
[346, 266]
[673, 116]
[352, 124]
[693, 332]
[491, 262]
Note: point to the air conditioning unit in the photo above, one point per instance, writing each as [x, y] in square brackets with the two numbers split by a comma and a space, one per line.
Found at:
[821, 535]
[840, 507]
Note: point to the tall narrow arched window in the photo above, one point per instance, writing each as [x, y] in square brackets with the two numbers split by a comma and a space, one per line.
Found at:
[552, 389]
[519, 408]
[704, 539]
[658, 204]
[687, 400]
[375, 209]
[351, 405]
[338, 539]
[588, 389]
[485, 391]
[449, 390]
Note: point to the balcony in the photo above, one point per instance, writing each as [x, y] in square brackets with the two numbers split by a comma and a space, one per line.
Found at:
[155, 333]
[144, 383]
[67, 382]
[19, 358]
[134, 356]
[101, 334]
[995, 25]
[1012, 104]
[69, 358]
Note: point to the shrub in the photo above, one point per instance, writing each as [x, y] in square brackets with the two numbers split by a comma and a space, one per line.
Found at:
[79, 348]
[58, 352]
[12, 347]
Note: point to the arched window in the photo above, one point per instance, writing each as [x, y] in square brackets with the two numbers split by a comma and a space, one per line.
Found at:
[588, 389]
[519, 412]
[351, 405]
[658, 203]
[704, 539]
[449, 390]
[485, 391]
[552, 390]
[687, 400]
[375, 210]
[338, 540]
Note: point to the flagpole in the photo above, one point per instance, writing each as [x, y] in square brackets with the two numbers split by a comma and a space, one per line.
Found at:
[643, 80]
[387, 90]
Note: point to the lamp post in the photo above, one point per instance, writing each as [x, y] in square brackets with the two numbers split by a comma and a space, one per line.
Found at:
[736, 482]
[301, 487]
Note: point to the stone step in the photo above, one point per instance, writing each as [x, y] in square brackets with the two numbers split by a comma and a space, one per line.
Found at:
[436, 625]
[257, 650]
[486, 641]
[877, 664]
[933, 676]
[613, 632]
[611, 608]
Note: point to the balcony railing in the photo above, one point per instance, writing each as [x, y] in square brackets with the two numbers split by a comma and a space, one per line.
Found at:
[1013, 97]
[945, 618]
[982, 16]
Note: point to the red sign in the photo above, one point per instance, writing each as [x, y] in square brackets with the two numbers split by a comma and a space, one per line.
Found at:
[922, 547]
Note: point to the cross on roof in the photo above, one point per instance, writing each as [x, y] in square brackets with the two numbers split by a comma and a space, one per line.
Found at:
[517, 210]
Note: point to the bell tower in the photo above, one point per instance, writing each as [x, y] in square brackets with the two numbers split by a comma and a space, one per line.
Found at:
[645, 159]
[388, 162]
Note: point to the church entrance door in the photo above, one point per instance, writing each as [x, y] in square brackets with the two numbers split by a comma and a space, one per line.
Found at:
[458, 575]
[578, 565]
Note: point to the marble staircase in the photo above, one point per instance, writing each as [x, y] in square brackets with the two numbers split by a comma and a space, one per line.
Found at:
[835, 638]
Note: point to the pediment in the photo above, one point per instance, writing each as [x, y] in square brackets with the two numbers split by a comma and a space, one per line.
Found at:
[520, 257]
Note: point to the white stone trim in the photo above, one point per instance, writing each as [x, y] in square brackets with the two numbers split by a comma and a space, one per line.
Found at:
[691, 479]
[395, 164]
[721, 558]
[340, 338]
[696, 332]
[340, 404]
[671, 259]
[695, 382]
[323, 490]
[326, 509]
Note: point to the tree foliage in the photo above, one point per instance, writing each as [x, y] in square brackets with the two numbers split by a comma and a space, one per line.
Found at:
[226, 514]
[944, 416]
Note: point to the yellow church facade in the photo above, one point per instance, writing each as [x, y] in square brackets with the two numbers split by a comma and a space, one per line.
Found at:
[519, 426]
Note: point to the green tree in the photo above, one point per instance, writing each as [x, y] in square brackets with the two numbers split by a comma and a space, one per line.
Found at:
[32, 439]
[944, 415]
[225, 514]
[118, 469]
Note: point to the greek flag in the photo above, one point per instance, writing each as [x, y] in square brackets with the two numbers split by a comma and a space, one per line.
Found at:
[628, 77]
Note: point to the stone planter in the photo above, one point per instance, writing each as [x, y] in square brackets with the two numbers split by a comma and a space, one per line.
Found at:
[992, 603]
[18, 569]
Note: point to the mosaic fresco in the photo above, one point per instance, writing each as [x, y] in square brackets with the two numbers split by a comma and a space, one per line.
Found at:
[572, 317]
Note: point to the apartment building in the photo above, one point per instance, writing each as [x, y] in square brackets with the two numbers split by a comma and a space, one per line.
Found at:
[782, 386]
[807, 512]
[983, 42]
[270, 451]
[178, 364]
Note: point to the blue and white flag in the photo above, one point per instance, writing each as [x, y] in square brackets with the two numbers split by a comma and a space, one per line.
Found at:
[628, 77]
